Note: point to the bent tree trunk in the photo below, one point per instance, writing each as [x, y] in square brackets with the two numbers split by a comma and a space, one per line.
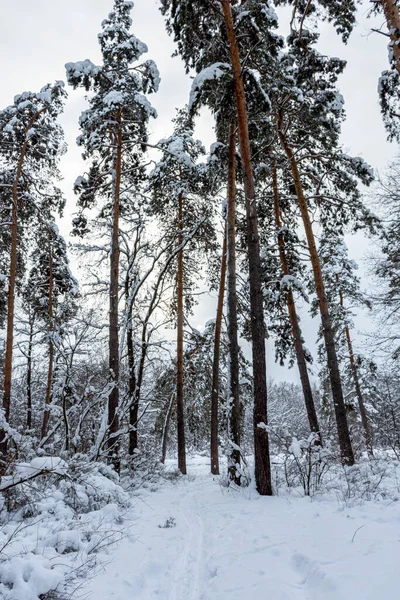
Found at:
[113, 346]
[346, 450]
[262, 467]
[46, 414]
[233, 383]
[179, 362]
[294, 321]
[215, 370]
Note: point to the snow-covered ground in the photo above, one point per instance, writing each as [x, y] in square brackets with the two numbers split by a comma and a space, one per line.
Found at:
[235, 545]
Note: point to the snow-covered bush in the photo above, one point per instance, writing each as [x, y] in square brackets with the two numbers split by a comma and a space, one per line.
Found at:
[55, 521]
[300, 463]
[305, 464]
[375, 479]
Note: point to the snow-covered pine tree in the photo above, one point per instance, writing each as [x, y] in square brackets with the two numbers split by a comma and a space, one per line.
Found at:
[386, 265]
[308, 112]
[342, 287]
[51, 293]
[31, 142]
[184, 209]
[389, 81]
[214, 87]
[223, 170]
[341, 14]
[215, 37]
[306, 16]
[284, 271]
[114, 137]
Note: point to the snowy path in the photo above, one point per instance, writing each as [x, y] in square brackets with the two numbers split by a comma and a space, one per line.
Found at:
[238, 546]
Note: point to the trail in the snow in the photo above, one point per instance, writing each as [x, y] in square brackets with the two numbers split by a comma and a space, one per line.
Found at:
[188, 574]
[238, 546]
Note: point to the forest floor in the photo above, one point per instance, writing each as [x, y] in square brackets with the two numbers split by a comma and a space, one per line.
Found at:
[194, 539]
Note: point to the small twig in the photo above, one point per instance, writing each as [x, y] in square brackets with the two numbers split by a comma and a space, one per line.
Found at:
[356, 531]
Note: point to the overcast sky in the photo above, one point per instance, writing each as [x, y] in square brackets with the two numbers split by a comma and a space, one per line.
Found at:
[38, 37]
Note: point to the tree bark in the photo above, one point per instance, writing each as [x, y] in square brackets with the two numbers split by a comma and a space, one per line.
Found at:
[233, 350]
[262, 467]
[113, 400]
[346, 450]
[179, 361]
[392, 15]
[360, 398]
[11, 298]
[46, 414]
[294, 321]
[215, 371]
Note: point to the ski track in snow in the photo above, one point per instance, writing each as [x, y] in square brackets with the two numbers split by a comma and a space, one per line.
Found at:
[235, 545]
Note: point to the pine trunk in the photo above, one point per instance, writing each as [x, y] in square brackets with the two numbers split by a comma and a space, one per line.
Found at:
[262, 467]
[11, 300]
[179, 361]
[233, 383]
[392, 16]
[113, 399]
[215, 372]
[346, 450]
[46, 414]
[294, 321]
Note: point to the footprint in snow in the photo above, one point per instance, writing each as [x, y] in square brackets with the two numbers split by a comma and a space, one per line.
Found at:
[314, 578]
